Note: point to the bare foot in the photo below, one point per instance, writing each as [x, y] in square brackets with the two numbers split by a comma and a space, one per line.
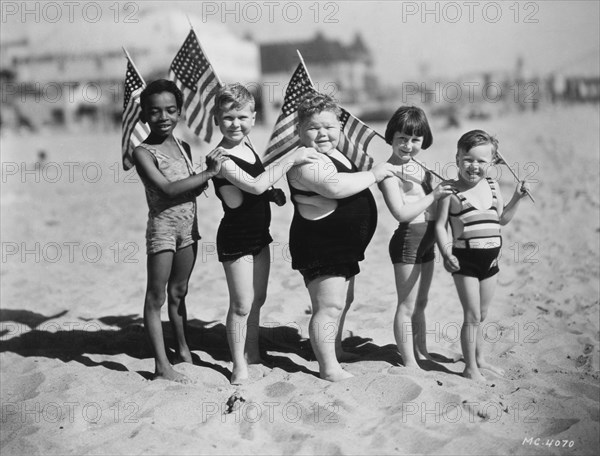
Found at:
[336, 375]
[239, 375]
[185, 356]
[495, 369]
[172, 375]
[411, 364]
[473, 374]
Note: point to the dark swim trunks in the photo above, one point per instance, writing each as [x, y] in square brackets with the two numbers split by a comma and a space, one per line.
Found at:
[413, 243]
[479, 263]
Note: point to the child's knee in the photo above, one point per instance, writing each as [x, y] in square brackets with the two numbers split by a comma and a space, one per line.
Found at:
[406, 307]
[177, 291]
[240, 308]
[155, 297]
[260, 298]
[421, 303]
[332, 308]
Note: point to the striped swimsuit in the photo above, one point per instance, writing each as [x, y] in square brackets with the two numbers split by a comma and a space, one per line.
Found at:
[477, 247]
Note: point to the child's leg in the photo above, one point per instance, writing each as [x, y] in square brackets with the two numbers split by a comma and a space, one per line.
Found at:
[406, 278]
[262, 265]
[486, 291]
[468, 293]
[419, 323]
[339, 351]
[183, 264]
[327, 295]
[240, 282]
[159, 269]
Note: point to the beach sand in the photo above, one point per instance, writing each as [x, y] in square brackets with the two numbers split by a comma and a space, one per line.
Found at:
[75, 364]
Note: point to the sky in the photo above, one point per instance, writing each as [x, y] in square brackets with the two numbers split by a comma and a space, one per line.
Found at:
[438, 38]
[408, 39]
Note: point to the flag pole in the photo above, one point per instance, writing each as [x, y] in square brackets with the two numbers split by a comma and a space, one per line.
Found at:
[305, 68]
[413, 158]
[219, 81]
[514, 174]
[133, 64]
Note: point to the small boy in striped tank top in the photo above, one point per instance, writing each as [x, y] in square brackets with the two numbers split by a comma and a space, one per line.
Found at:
[475, 212]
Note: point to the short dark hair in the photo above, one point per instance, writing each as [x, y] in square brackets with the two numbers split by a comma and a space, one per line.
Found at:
[476, 138]
[236, 94]
[314, 103]
[412, 121]
[160, 86]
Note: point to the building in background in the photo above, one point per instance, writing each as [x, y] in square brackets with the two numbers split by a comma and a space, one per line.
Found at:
[73, 75]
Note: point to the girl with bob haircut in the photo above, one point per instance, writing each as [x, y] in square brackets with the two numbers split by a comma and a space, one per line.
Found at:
[412, 201]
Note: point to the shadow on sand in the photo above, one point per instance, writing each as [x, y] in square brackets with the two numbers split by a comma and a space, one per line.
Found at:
[31, 334]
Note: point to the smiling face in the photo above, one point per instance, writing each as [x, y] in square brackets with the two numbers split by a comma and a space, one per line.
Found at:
[162, 113]
[405, 146]
[235, 124]
[320, 131]
[473, 164]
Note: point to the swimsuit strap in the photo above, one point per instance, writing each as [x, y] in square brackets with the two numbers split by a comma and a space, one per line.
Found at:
[494, 189]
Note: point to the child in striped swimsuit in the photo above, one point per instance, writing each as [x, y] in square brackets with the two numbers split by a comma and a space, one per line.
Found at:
[475, 212]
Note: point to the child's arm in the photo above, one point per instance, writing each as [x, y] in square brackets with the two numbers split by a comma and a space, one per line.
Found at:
[392, 194]
[148, 170]
[441, 235]
[510, 209]
[321, 177]
[275, 171]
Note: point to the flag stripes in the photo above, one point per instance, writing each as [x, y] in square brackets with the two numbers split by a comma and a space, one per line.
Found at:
[133, 130]
[284, 138]
[354, 140]
[193, 74]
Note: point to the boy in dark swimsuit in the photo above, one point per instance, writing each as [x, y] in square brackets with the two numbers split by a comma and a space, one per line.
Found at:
[243, 236]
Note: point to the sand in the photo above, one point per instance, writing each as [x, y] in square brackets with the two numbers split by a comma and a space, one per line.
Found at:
[75, 365]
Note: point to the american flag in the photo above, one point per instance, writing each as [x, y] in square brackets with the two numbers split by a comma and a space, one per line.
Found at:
[354, 139]
[134, 131]
[284, 137]
[193, 74]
